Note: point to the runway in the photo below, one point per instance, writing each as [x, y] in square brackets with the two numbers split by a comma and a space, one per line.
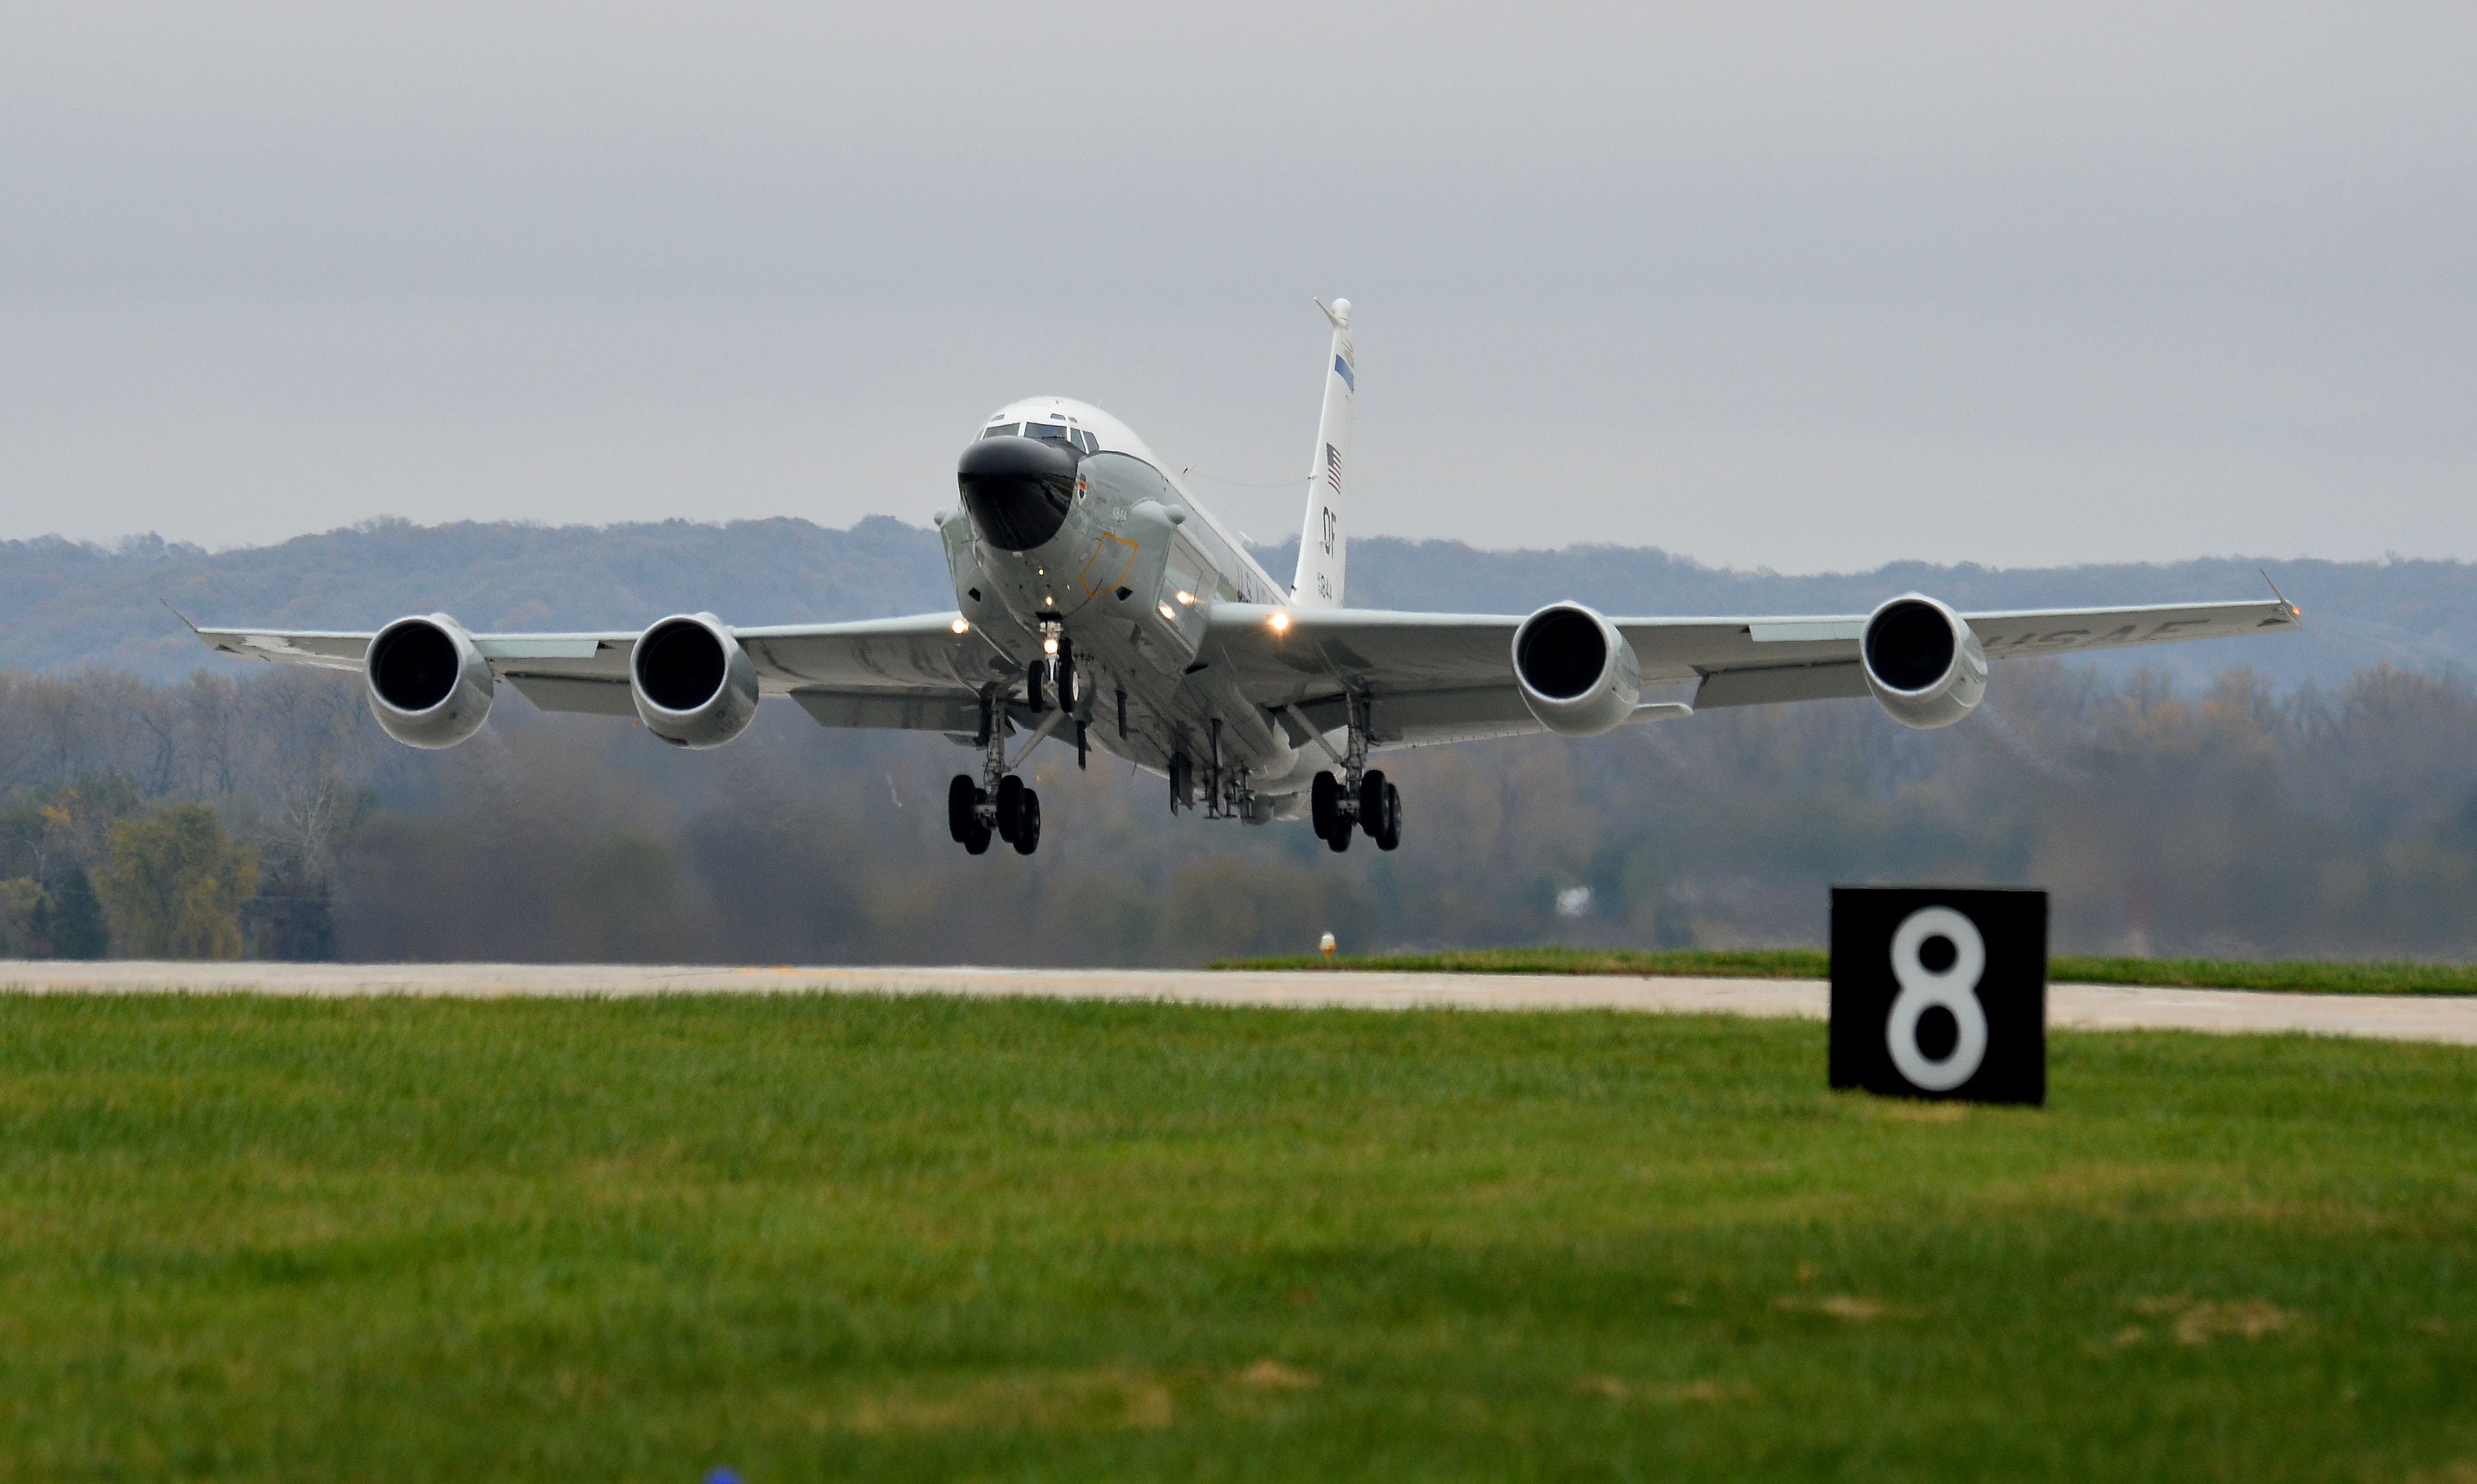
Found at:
[2076, 1006]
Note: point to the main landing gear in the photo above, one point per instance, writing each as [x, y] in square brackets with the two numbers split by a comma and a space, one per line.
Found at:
[998, 804]
[1375, 806]
[1360, 798]
[1011, 813]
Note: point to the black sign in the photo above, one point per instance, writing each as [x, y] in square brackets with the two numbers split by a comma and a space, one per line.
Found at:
[1940, 992]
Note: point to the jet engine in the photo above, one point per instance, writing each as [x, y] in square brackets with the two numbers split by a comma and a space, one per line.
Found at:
[429, 685]
[1923, 662]
[694, 687]
[1578, 674]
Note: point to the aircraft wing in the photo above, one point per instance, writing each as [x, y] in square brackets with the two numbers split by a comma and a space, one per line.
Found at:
[912, 673]
[1440, 677]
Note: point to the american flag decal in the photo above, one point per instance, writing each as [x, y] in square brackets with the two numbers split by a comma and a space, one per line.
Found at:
[1333, 468]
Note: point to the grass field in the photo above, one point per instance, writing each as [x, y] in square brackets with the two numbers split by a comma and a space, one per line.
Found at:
[2315, 975]
[854, 1238]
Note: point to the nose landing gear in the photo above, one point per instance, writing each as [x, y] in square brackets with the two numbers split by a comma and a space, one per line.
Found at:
[1054, 672]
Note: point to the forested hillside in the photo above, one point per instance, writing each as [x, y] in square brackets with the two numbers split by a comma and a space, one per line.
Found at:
[2312, 795]
[63, 605]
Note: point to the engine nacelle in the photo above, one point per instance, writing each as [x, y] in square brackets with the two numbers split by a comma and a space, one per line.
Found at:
[429, 685]
[694, 687]
[1578, 674]
[1923, 662]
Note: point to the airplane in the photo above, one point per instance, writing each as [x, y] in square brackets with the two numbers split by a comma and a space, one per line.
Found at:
[1100, 602]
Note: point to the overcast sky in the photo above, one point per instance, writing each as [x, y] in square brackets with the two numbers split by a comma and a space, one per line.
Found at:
[1804, 287]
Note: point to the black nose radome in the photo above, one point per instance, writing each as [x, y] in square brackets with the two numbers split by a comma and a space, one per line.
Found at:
[1018, 488]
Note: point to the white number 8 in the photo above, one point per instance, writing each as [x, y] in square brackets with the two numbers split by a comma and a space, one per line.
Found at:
[1955, 989]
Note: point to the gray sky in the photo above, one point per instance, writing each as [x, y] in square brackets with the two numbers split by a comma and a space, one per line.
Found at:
[1805, 288]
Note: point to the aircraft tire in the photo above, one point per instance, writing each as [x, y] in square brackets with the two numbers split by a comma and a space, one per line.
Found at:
[1032, 689]
[1340, 839]
[1324, 804]
[1390, 819]
[1010, 796]
[1371, 801]
[963, 806]
[1027, 826]
[978, 841]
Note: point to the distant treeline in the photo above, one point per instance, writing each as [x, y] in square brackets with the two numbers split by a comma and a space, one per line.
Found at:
[65, 605]
[2233, 820]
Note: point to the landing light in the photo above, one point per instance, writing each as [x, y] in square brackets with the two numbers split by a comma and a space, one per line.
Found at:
[962, 625]
[1170, 613]
[1281, 621]
[1049, 645]
[1185, 597]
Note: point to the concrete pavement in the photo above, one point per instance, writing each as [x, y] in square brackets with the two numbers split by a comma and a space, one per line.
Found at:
[2449, 1019]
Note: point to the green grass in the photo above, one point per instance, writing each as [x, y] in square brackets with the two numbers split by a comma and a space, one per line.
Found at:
[925, 1238]
[2318, 976]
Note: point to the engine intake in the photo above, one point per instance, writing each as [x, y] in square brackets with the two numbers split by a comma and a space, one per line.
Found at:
[694, 687]
[1577, 673]
[429, 685]
[1923, 663]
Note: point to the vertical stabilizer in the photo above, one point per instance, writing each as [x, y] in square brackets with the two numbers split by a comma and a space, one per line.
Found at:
[1322, 539]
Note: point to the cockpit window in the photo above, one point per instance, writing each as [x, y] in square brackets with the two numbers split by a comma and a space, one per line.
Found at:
[1002, 430]
[1048, 430]
[1086, 441]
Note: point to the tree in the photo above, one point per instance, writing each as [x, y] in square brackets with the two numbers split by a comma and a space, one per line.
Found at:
[174, 885]
[73, 920]
[25, 917]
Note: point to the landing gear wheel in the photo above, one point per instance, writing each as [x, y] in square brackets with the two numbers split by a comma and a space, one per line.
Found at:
[1340, 839]
[1010, 796]
[1032, 687]
[1324, 804]
[1371, 802]
[977, 842]
[963, 806]
[1027, 824]
[1388, 825]
[1065, 683]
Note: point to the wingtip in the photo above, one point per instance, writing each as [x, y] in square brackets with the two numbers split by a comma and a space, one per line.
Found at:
[186, 622]
[2294, 612]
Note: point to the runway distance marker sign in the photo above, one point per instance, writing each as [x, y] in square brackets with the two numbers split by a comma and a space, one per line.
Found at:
[1940, 992]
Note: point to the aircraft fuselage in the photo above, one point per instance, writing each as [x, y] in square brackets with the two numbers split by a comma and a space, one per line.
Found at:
[1073, 541]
